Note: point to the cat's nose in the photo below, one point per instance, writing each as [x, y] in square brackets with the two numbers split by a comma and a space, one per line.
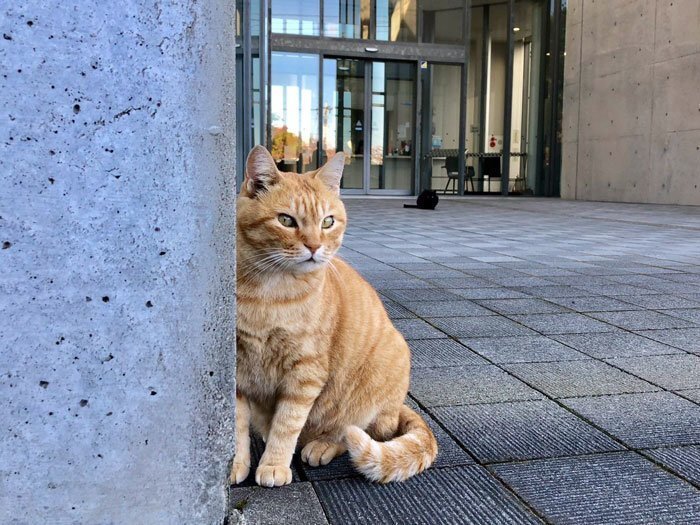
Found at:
[312, 247]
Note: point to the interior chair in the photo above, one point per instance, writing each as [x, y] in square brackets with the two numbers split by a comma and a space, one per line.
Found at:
[491, 166]
[452, 168]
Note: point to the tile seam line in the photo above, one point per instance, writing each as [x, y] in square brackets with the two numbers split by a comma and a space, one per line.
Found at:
[573, 412]
[509, 490]
[556, 213]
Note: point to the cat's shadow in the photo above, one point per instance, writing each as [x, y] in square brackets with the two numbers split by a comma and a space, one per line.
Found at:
[340, 467]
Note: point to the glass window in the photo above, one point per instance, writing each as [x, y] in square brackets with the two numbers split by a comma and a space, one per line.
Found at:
[528, 35]
[255, 73]
[473, 131]
[346, 18]
[392, 126]
[397, 20]
[294, 111]
[443, 22]
[344, 116]
[446, 82]
[293, 17]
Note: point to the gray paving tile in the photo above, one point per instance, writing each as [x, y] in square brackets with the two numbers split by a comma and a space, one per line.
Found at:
[641, 320]
[461, 308]
[489, 293]
[693, 278]
[687, 339]
[297, 502]
[567, 323]
[520, 280]
[659, 302]
[505, 431]
[417, 329]
[616, 344]
[645, 281]
[674, 372]
[467, 264]
[644, 420]
[676, 288]
[593, 304]
[621, 488]
[547, 272]
[430, 353]
[577, 378]
[615, 289]
[467, 385]
[396, 311]
[685, 461]
[545, 292]
[436, 272]
[693, 394]
[486, 326]
[428, 294]
[521, 306]
[689, 314]
[522, 349]
[465, 495]
[398, 283]
[578, 279]
[466, 281]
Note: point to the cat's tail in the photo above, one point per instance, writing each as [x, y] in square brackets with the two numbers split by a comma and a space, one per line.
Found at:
[412, 451]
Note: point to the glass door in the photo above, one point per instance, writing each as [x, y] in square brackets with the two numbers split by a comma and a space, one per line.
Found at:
[343, 118]
[391, 157]
[368, 112]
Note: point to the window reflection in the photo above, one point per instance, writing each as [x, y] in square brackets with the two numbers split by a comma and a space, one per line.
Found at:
[294, 111]
[344, 116]
[295, 18]
[346, 18]
[397, 20]
[443, 22]
[392, 126]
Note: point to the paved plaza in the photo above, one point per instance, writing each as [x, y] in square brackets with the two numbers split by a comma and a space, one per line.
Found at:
[556, 355]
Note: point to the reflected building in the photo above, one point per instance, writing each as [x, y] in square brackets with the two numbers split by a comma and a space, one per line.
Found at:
[458, 96]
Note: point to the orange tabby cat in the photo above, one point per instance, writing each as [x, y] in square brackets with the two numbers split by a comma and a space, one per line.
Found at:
[319, 362]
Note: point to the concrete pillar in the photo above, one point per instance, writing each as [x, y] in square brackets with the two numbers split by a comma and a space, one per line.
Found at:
[117, 285]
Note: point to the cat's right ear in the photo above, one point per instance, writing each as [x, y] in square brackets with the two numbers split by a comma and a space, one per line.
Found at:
[260, 171]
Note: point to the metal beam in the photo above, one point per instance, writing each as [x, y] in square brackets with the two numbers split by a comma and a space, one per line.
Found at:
[508, 103]
[358, 48]
[484, 89]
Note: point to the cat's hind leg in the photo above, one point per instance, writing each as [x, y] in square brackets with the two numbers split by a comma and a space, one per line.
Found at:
[385, 425]
[322, 450]
[241, 460]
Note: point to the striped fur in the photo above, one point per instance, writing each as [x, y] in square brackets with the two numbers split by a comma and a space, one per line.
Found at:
[408, 454]
[319, 363]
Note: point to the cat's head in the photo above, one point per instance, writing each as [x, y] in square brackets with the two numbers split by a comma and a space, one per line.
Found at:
[289, 222]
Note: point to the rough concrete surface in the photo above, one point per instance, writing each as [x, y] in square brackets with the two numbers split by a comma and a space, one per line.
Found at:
[117, 284]
[631, 122]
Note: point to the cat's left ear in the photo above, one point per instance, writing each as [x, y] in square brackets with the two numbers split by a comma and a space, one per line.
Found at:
[332, 172]
[260, 171]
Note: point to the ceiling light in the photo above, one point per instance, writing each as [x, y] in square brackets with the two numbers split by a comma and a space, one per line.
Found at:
[371, 49]
[516, 29]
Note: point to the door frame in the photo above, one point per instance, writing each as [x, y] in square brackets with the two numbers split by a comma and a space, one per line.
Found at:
[367, 127]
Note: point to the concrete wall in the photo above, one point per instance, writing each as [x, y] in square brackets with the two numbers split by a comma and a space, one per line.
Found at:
[631, 124]
[117, 310]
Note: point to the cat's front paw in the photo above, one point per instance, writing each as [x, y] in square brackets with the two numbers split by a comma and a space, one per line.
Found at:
[273, 475]
[239, 472]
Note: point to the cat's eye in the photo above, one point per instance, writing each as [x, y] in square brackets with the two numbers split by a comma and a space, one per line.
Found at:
[287, 220]
[328, 222]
